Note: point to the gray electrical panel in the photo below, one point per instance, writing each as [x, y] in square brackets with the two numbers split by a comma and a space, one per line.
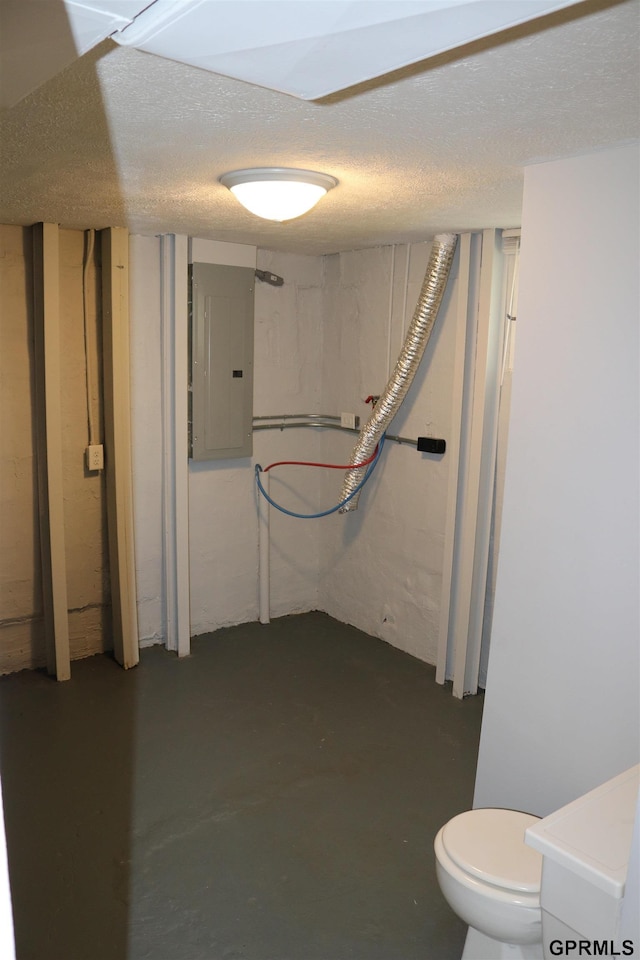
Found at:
[221, 387]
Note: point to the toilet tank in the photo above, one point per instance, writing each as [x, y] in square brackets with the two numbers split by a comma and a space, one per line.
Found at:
[585, 847]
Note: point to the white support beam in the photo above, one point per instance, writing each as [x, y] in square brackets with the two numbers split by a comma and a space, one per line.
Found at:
[117, 411]
[490, 309]
[453, 452]
[174, 259]
[476, 482]
[46, 273]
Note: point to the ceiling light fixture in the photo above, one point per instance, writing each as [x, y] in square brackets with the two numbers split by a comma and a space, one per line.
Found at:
[277, 193]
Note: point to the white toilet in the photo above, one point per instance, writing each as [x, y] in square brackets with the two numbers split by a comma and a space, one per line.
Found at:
[491, 879]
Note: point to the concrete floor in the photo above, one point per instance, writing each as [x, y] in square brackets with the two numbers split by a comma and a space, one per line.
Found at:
[272, 797]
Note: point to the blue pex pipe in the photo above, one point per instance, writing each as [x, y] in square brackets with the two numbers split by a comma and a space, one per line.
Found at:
[323, 513]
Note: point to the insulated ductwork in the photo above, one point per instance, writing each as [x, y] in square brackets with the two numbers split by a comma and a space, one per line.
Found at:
[435, 281]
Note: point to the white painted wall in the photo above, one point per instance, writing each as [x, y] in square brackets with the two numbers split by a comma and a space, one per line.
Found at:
[289, 345]
[222, 497]
[381, 567]
[561, 711]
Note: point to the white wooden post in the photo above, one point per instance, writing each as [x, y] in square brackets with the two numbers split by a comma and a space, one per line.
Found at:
[473, 509]
[175, 341]
[264, 544]
[484, 446]
[453, 453]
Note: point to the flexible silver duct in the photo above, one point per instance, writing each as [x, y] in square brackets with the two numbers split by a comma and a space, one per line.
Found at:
[435, 281]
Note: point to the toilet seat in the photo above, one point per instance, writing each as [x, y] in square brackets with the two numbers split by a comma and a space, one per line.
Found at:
[488, 845]
[488, 879]
[488, 896]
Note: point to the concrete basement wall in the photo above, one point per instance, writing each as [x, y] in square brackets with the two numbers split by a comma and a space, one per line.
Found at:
[85, 516]
[381, 566]
[21, 627]
[561, 710]
[323, 341]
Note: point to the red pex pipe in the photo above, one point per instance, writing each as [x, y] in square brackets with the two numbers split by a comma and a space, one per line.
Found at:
[327, 466]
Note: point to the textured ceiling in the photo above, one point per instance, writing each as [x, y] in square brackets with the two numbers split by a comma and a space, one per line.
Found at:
[124, 138]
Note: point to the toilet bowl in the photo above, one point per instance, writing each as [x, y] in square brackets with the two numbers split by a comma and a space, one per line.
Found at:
[489, 878]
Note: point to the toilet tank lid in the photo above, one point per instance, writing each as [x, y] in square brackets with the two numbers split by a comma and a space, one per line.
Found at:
[489, 844]
[592, 836]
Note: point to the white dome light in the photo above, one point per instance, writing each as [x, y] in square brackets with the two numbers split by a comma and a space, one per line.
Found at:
[276, 193]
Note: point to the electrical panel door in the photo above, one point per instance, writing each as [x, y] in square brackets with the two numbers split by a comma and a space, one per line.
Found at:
[222, 305]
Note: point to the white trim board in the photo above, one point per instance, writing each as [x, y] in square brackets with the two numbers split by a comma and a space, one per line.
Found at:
[175, 487]
[479, 343]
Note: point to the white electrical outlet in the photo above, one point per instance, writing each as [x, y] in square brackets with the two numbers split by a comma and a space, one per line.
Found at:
[95, 457]
[349, 420]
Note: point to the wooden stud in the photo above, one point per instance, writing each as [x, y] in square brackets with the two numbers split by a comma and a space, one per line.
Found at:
[117, 414]
[46, 303]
